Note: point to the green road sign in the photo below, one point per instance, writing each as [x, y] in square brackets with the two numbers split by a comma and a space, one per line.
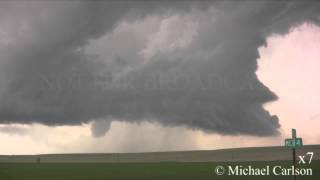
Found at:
[293, 143]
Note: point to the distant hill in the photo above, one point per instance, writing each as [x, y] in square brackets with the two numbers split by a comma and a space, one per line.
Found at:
[238, 154]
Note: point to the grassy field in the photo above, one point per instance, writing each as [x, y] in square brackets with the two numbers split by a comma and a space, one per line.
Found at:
[135, 171]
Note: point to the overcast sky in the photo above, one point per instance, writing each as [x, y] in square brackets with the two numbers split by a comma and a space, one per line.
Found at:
[132, 76]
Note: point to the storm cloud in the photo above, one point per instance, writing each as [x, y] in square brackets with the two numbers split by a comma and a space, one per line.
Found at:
[178, 64]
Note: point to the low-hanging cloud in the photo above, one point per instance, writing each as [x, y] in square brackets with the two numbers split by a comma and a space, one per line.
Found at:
[194, 67]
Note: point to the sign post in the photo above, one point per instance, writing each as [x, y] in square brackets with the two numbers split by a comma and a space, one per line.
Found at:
[294, 143]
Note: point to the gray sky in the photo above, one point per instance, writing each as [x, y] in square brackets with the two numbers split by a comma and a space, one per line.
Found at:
[182, 64]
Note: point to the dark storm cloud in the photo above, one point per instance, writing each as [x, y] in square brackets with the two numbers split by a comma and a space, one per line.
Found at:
[52, 81]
